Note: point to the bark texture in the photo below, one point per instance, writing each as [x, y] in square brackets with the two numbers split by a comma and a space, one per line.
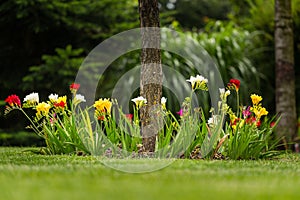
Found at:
[285, 72]
[151, 72]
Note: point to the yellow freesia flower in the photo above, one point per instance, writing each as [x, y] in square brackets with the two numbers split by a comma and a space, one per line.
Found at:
[260, 111]
[43, 109]
[103, 105]
[62, 99]
[255, 99]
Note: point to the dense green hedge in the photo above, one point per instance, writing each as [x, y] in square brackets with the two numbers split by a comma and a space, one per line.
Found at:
[21, 138]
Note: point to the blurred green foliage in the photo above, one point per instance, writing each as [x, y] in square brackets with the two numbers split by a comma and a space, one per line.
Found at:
[56, 72]
[258, 15]
[21, 138]
[232, 48]
[33, 28]
[194, 14]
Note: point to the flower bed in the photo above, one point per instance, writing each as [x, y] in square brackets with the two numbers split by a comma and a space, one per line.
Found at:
[104, 130]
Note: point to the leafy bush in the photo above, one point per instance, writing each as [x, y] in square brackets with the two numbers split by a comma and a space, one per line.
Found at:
[45, 77]
[232, 48]
[258, 15]
[21, 138]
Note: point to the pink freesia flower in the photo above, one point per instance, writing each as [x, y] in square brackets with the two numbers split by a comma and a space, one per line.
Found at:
[180, 112]
[247, 112]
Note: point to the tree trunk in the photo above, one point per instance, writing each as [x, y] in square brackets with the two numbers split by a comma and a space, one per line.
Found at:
[151, 72]
[285, 73]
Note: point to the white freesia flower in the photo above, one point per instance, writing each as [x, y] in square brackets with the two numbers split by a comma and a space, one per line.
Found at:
[32, 98]
[213, 121]
[139, 101]
[163, 100]
[222, 91]
[53, 97]
[198, 82]
[224, 94]
[210, 121]
[200, 78]
[79, 98]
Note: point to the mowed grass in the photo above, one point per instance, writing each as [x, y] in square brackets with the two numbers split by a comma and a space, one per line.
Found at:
[24, 175]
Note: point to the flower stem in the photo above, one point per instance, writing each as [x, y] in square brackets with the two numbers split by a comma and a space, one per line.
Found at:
[237, 103]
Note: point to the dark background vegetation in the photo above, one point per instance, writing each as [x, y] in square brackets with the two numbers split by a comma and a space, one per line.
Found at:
[43, 43]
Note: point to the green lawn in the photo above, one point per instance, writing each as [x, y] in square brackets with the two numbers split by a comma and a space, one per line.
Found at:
[28, 176]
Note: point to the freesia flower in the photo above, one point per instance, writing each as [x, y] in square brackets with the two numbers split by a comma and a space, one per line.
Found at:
[253, 120]
[103, 105]
[255, 99]
[234, 84]
[129, 116]
[258, 123]
[42, 109]
[272, 124]
[163, 102]
[53, 97]
[198, 82]
[247, 112]
[32, 98]
[237, 121]
[180, 112]
[139, 101]
[13, 100]
[223, 94]
[250, 120]
[74, 86]
[213, 121]
[260, 111]
[61, 102]
[210, 121]
[79, 98]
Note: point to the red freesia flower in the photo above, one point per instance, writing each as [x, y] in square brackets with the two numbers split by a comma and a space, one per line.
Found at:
[74, 86]
[235, 121]
[272, 124]
[235, 83]
[61, 104]
[252, 120]
[129, 116]
[258, 123]
[13, 100]
[101, 118]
